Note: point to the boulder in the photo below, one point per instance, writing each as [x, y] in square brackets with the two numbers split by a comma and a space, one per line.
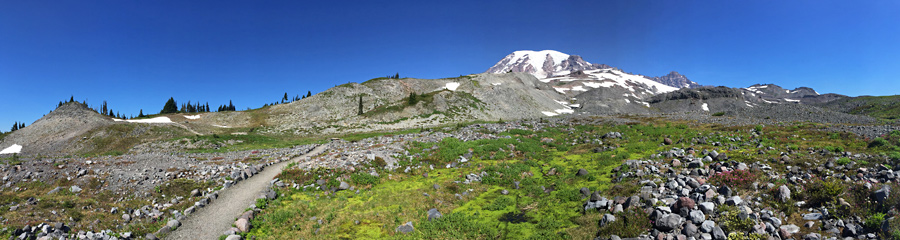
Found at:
[784, 193]
[669, 222]
[697, 216]
[581, 172]
[406, 228]
[242, 224]
[344, 186]
[434, 214]
[233, 237]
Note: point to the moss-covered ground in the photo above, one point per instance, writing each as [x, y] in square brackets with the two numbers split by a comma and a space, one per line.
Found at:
[544, 206]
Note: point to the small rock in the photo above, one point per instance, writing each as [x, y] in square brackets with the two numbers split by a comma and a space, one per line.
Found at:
[812, 216]
[242, 224]
[75, 189]
[581, 172]
[233, 237]
[406, 228]
[784, 193]
[434, 214]
[344, 186]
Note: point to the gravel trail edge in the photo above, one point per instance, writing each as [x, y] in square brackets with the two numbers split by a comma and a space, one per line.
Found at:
[213, 220]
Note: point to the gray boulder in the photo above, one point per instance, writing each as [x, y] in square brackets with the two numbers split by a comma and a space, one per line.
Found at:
[434, 214]
[406, 228]
[344, 186]
[697, 216]
[784, 193]
[233, 237]
[606, 219]
[669, 222]
[718, 234]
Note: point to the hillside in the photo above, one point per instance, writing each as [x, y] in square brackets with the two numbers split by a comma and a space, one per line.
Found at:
[886, 107]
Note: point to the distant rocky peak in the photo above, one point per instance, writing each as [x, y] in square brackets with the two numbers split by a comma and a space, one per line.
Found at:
[675, 79]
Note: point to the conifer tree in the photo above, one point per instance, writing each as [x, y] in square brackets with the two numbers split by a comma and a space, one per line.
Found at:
[308, 93]
[21, 125]
[170, 107]
[285, 98]
[14, 127]
[360, 105]
[103, 107]
[72, 98]
[230, 106]
[141, 113]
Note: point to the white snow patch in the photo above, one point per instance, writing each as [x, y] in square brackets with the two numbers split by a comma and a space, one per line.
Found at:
[592, 84]
[15, 148]
[550, 113]
[627, 101]
[705, 107]
[749, 104]
[763, 86]
[564, 111]
[791, 100]
[766, 101]
[152, 120]
[452, 86]
[221, 126]
[118, 120]
[496, 84]
[575, 105]
[195, 117]
[579, 88]
[645, 103]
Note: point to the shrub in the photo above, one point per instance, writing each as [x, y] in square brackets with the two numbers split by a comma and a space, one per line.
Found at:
[499, 203]
[843, 161]
[874, 221]
[718, 114]
[748, 236]
[736, 179]
[879, 142]
[819, 192]
[731, 222]
[894, 155]
[363, 179]
[629, 223]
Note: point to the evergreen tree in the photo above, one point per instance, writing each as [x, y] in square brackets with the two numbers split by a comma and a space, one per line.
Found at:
[360, 105]
[103, 107]
[397, 76]
[170, 107]
[308, 93]
[21, 125]
[72, 98]
[15, 127]
[231, 106]
[412, 98]
[141, 113]
[285, 98]
[206, 109]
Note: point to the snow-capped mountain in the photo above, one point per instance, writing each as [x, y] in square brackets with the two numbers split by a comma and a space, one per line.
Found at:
[543, 64]
[572, 75]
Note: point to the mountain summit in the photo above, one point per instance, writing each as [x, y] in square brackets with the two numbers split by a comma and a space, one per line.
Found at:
[543, 64]
[549, 63]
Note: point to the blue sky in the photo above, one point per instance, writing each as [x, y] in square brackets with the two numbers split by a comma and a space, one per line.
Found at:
[137, 54]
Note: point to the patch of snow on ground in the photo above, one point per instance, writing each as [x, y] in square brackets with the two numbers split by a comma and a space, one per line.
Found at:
[749, 104]
[705, 107]
[766, 101]
[791, 100]
[627, 101]
[550, 113]
[15, 148]
[452, 86]
[579, 88]
[195, 117]
[221, 126]
[152, 120]
[564, 111]
[645, 103]
[496, 84]
[575, 105]
[118, 120]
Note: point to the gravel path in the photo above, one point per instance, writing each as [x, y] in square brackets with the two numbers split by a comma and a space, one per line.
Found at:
[213, 220]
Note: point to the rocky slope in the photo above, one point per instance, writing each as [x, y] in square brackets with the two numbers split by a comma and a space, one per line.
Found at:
[56, 131]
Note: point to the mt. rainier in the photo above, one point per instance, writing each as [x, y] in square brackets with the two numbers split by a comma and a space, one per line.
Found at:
[552, 64]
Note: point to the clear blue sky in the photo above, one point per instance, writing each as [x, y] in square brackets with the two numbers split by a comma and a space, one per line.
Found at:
[137, 54]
